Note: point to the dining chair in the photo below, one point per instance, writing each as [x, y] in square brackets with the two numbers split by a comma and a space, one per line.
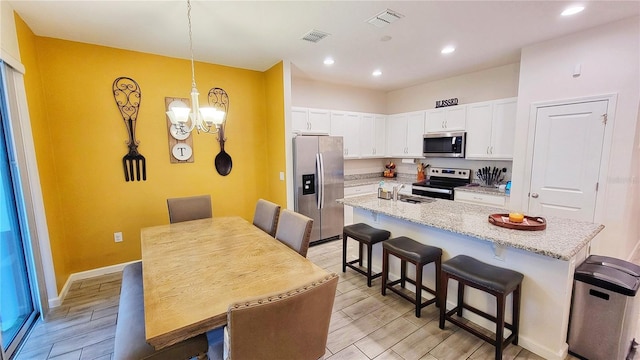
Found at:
[189, 208]
[291, 325]
[294, 230]
[266, 216]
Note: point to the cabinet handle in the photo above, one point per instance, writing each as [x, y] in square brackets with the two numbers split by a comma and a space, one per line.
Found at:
[374, 151]
[491, 149]
[442, 124]
[487, 149]
[534, 195]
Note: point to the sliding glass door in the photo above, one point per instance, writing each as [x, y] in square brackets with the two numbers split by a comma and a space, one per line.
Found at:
[16, 301]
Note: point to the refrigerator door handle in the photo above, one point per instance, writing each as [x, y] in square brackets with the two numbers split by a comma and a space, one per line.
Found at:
[322, 184]
[319, 178]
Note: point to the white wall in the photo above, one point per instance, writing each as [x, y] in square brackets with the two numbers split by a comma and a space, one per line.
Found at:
[609, 57]
[495, 83]
[9, 50]
[316, 94]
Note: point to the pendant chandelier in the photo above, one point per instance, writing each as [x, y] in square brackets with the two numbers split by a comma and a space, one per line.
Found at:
[202, 119]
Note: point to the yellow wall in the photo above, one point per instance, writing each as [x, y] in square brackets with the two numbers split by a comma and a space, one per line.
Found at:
[44, 150]
[80, 140]
[275, 134]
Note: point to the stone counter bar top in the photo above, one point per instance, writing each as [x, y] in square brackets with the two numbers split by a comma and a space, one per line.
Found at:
[562, 239]
[481, 190]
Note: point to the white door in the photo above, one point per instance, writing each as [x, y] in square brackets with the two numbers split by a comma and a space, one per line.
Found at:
[566, 160]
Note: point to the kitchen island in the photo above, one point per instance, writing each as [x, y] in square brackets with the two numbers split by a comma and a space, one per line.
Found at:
[547, 258]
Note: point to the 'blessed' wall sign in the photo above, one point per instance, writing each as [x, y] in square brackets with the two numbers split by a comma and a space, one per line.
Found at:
[447, 102]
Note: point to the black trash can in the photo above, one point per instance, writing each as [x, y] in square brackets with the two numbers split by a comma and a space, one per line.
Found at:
[603, 310]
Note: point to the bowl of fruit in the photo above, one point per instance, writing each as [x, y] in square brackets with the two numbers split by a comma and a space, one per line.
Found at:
[390, 170]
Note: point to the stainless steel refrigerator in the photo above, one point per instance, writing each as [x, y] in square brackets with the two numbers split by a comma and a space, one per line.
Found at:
[318, 170]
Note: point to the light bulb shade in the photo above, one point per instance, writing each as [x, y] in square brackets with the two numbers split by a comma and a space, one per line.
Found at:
[178, 114]
[212, 116]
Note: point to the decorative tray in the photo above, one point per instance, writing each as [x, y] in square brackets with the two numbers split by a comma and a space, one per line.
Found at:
[530, 223]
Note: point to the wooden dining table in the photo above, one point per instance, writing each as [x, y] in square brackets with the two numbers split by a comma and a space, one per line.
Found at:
[194, 270]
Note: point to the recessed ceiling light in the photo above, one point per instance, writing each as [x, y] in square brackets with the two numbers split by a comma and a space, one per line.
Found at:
[572, 10]
[385, 38]
[329, 61]
[448, 50]
[376, 73]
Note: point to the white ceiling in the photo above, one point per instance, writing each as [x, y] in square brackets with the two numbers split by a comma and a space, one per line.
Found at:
[257, 34]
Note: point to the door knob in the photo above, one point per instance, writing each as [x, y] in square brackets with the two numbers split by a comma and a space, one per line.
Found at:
[534, 195]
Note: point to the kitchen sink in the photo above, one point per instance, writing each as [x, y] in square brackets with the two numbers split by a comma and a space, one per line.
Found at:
[414, 199]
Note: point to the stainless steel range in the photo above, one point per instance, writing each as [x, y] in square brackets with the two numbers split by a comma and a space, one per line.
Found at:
[441, 182]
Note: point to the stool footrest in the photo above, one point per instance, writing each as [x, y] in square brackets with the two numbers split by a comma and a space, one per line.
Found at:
[390, 285]
[357, 269]
[428, 302]
[449, 316]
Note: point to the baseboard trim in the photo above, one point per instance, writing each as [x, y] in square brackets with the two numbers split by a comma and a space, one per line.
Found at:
[57, 301]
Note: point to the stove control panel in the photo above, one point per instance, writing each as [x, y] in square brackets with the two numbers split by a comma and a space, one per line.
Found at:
[450, 173]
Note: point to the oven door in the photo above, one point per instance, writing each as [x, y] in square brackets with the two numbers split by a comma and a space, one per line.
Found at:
[450, 144]
[434, 192]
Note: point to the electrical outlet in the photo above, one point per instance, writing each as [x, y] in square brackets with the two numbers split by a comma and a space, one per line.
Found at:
[117, 236]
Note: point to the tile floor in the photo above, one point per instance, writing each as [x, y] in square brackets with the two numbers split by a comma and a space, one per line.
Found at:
[365, 325]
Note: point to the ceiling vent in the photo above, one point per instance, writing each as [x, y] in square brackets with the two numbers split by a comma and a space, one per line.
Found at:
[385, 18]
[315, 35]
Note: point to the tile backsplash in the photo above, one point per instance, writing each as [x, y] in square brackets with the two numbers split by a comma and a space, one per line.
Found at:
[355, 169]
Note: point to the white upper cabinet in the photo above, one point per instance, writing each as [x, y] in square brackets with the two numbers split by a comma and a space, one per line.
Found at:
[404, 134]
[451, 118]
[490, 129]
[310, 121]
[347, 125]
[372, 135]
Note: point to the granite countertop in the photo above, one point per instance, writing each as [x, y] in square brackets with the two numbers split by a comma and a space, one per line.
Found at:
[481, 189]
[562, 238]
[375, 180]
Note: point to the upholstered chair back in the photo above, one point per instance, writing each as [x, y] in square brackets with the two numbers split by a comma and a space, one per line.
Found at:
[294, 230]
[266, 216]
[189, 208]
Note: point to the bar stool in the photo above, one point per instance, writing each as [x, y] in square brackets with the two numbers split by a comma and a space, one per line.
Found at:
[494, 280]
[365, 235]
[409, 250]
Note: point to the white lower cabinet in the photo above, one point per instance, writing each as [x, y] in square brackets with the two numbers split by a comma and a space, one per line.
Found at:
[356, 191]
[480, 198]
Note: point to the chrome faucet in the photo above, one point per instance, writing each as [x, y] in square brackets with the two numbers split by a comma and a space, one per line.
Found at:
[396, 191]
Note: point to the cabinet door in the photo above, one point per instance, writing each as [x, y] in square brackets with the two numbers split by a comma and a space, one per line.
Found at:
[479, 120]
[380, 135]
[503, 129]
[346, 125]
[435, 120]
[299, 119]
[352, 136]
[367, 135]
[397, 135]
[319, 121]
[415, 131]
[455, 118]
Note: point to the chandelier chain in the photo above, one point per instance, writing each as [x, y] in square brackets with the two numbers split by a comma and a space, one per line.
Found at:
[193, 72]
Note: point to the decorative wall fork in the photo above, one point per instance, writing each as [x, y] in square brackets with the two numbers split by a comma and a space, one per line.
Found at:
[127, 94]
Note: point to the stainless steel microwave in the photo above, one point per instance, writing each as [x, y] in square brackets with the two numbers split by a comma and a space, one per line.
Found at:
[446, 144]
